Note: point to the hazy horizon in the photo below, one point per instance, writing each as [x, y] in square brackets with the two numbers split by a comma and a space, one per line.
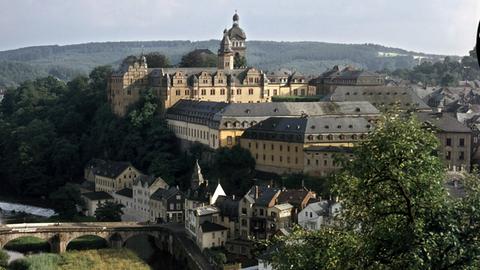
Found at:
[445, 27]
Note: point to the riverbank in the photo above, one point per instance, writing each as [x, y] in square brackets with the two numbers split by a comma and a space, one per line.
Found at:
[37, 202]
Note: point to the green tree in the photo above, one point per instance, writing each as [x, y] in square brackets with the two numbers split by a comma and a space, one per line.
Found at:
[234, 167]
[157, 60]
[65, 201]
[99, 78]
[199, 58]
[109, 211]
[396, 211]
[145, 110]
[4, 258]
[239, 61]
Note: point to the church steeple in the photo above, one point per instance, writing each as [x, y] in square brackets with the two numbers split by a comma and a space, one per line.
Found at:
[225, 53]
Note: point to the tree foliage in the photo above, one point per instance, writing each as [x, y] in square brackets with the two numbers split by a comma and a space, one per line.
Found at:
[396, 212]
[239, 61]
[199, 58]
[157, 60]
[50, 129]
[234, 168]
[65, 201]
[3, 258]
[109, 211]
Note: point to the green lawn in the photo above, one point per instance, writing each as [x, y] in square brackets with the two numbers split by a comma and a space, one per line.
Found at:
[28, 244]
[103, 259]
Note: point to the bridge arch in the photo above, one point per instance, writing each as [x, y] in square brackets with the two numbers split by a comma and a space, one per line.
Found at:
[87, 241]
[27, 243]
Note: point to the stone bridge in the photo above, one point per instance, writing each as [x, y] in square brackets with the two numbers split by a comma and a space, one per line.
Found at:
[168, 237]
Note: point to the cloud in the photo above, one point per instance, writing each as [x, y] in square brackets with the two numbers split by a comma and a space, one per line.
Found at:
[437, 26]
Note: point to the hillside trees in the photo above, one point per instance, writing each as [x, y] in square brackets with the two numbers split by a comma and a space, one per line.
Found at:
[396, 211]
[199, 58]
[49, 129]
[445, 73]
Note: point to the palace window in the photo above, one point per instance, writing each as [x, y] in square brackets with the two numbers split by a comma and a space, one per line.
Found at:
[239, 91]
[204, 92]
[461, 142]
[250, 91]
[461, 155]
[229, 140]
[222, 91]
[177, 92]
[449, 142]
[187, 92]
[212, 92]
[274, 92]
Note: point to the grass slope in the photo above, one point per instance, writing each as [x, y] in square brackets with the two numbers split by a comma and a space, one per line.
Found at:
[103, 259]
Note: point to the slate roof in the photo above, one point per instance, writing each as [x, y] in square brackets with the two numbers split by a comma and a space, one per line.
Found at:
[298, 129]
[208, 226]
[97, 195]
[379, 96]
[148, 179]
[265, 194]
[126, 192]
[347, 73]
[235, 32]
[293, 196]
[199, 112]
[321, 208]
[228, 207]
[107, 168]
[296, 109]
[443, 122]
[161, 193]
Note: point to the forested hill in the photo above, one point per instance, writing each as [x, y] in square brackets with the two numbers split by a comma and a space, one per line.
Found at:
[65, 62]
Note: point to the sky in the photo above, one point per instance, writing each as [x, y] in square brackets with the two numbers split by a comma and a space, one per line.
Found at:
[431, 26]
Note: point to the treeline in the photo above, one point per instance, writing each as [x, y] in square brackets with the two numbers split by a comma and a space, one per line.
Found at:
[445, 73]
[66, 62]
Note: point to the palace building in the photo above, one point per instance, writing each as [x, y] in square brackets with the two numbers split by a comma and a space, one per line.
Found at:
[221, 124]
[229, 82]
